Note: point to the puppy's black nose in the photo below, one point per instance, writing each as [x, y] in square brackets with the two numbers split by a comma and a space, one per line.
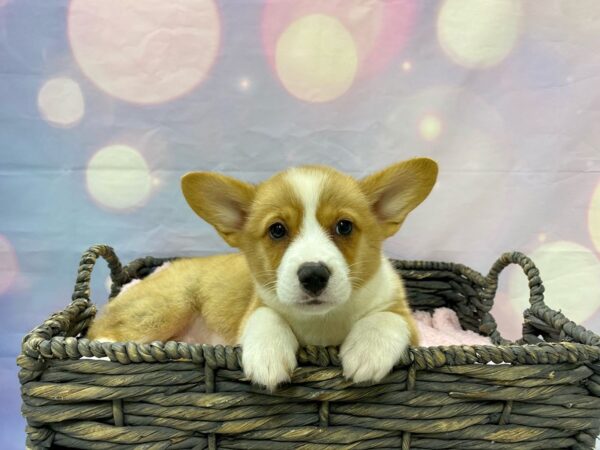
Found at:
[313, 277]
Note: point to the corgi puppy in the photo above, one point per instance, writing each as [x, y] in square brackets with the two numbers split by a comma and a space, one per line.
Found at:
[310, 271]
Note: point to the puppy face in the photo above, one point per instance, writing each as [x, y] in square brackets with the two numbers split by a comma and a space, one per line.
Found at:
[311, 235]
[310, 239]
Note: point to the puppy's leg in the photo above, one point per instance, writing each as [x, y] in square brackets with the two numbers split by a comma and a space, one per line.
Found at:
[142, 317]
[376, 343]
[269, 348]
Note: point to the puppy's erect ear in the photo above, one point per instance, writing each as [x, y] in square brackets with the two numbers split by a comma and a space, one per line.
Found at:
[397, 190]
[222, 201]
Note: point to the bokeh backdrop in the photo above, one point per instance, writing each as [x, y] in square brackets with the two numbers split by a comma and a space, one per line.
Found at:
[104, 104]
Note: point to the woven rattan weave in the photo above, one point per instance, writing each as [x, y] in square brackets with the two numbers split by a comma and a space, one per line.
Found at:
[541, 392]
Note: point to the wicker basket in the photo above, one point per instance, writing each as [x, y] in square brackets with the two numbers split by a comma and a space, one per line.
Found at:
[540, 393]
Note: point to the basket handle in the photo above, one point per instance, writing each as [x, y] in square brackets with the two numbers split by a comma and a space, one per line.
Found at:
[75, 317]
[536, 288]
[118, 274]
[539, 316]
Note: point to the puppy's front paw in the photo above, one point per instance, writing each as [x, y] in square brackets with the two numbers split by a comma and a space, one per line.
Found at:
[373, 346]
[269, 349]
[269, 365]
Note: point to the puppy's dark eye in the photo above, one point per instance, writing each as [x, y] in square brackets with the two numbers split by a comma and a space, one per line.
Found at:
[277, 230]
[343, 227]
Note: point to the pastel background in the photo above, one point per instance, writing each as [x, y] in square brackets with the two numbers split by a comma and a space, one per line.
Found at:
[104, 104]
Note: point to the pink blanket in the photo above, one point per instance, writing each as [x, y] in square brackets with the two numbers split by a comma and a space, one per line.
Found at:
[443, 328]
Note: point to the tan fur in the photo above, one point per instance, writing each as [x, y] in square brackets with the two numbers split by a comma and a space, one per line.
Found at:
[274, 202]
[401, 188]
[223, 290]
[218, 288]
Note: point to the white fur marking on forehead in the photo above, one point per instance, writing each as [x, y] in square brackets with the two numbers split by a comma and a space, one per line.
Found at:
[312, 244]
[307, 184]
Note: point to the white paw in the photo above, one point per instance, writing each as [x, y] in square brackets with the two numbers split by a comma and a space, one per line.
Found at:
[268, 349]
[269, 365]
[374, 346]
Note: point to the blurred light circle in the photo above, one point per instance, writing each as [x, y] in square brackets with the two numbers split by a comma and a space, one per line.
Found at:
[380, 29]
[60, 101]
[316, 58]
[244, 84]
[430, 127]
[571, 276]
[108, 284]
[9, 266]
[145, 52]
[510, 322]
[478, 33]
[118, 178]
[594, 218]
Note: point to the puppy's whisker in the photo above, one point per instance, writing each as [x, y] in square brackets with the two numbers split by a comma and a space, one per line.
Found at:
[358, 282]
[268, 271]
[259, 275]
[270, 285]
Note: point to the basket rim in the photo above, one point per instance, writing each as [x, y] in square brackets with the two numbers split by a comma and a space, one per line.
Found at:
[230, 357]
